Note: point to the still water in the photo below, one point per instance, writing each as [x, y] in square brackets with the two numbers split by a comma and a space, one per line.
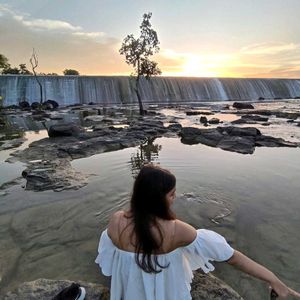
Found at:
[253, 200]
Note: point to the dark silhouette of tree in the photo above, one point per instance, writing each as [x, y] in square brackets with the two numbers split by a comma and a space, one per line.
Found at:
[34, 63]
[4, 62]
[137, 53]
[70, 72]
[10, 70]
[24, 70]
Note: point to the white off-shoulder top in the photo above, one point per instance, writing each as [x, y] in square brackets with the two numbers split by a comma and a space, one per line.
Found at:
[130, 282]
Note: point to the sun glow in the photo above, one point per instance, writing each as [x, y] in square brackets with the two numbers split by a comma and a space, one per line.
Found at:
[194, 65]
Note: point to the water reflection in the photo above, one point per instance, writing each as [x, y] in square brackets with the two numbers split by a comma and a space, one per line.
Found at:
[146, 153]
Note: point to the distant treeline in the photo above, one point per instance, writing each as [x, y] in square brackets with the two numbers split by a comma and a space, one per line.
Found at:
[6, 68]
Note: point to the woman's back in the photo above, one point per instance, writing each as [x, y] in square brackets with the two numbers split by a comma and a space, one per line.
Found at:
[175, 233]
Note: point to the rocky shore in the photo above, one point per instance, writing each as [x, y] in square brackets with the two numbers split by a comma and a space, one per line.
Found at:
[204, 287]
[49, 160]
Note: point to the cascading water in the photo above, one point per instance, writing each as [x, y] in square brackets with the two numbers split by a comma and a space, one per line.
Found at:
[121, 89]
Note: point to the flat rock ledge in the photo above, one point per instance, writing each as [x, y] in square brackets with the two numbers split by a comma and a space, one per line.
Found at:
[230, 138]
[204, 287]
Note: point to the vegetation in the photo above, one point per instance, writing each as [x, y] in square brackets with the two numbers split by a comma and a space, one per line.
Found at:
[6, 68]
[137, 52]
[70, 72]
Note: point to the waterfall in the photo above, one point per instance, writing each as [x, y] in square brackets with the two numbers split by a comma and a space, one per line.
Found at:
[121, 89]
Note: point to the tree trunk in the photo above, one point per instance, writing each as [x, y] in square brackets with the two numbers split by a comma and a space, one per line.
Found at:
[142, 112]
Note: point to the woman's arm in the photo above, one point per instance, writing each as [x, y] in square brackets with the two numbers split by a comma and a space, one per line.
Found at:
[247, 265]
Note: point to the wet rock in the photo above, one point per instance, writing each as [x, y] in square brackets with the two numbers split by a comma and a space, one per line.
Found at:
[269, 141]
[54, 175]
[64, 130]
[209, 287]
[47, 106]
[250, 119]
[203, 120]
[9, 144]
[53, 103]
[214, 121]
[198, 112]
[261, 98]
[46, 289]
[203, 287]
[230, 138]
[242, 105]
[35, 105]
[24, 105]
[175, 127]
[277, 113]
[237, 144]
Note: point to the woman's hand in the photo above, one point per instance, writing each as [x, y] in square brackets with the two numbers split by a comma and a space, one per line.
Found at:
[247, 265]
[282, 290]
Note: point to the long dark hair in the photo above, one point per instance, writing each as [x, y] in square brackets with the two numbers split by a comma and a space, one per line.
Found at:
[148, 202]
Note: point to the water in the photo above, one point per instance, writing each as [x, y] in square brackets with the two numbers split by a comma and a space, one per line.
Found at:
[107, 90]
[253, 200]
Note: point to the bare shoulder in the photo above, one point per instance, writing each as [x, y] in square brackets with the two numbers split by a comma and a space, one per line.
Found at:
[185, 233]
[114, 222]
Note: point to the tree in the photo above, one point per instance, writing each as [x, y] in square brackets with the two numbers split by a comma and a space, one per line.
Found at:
[34, 64]
[70, 72]
[10, 70]
[4, 62]
[24, 70]
[137, 53]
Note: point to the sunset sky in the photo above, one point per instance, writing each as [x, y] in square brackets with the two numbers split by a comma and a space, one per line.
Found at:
[211, 38]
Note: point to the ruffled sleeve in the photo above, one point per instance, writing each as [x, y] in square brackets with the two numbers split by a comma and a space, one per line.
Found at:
[106, 253]
[207, 246]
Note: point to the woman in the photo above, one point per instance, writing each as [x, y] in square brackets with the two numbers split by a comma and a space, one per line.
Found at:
[150, 254]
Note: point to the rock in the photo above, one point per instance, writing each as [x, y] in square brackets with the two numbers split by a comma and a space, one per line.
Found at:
[46, 289]
[69, 129]
[204, 287]
[47, 106]
[242, 105]
[250, 119]
[214, 121]
[198, 112]
[56, 175]
[91, 103]
[243, 145]
[203, 120]
[240, 131]
[290, 121]
[35, 105]
[261, 98]
[208, 287]
[242, 140]
[175, 127]
[24, 105]
[53, 103]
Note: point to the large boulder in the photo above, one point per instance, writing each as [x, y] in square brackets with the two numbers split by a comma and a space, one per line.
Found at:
[24, 105]
[68, 129]
[53, 103]
[242, 105]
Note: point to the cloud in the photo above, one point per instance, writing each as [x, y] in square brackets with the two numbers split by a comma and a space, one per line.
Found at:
[269, 48]
[59, 45]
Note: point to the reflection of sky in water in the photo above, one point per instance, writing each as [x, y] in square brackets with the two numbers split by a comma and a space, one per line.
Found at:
[10, 171]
